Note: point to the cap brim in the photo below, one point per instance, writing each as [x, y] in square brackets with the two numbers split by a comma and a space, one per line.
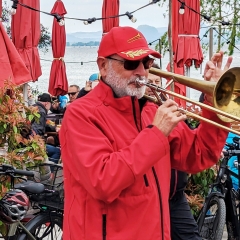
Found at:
[136, 54]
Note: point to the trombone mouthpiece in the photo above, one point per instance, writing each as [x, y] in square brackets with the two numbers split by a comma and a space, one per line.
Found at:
[140, 83]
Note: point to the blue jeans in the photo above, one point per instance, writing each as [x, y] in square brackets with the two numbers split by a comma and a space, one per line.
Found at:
[53, 153]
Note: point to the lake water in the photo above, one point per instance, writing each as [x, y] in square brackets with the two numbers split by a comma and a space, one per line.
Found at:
[81, 63]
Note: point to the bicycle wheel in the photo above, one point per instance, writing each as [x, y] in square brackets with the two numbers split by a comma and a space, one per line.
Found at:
[44, 226]
[214, 219]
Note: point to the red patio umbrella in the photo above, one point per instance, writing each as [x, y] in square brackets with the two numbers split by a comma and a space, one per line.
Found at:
[178, 87]
[11, 64]
[0, 8]
[25, 30]
[58, 84]
[110, 8]
[185, 28]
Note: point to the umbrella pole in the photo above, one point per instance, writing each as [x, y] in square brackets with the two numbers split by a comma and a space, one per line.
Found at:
[170, 42]
[187, 73]
[25, 94]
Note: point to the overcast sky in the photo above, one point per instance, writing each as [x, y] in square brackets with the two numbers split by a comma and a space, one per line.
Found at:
[151, 15]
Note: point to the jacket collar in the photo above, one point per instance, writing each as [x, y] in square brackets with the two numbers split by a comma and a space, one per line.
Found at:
[105, 93]
[42, 106]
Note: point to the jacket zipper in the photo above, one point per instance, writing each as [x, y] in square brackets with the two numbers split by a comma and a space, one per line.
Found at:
[160, 200]
[139, 130]
[104, 226]
[154, 173]
[134, 114]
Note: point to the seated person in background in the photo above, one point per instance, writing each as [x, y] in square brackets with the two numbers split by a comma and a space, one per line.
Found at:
[93, 81]
[39, 127]
[30, 96]
[63, 101]
[154, 79]
[73, 91]
[56, 107]
[43, 104]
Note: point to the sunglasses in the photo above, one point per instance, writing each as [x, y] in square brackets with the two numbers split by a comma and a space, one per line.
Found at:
[132, 65]
[72, 93]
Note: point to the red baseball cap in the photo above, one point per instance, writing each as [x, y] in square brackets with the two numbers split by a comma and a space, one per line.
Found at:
[126, 42]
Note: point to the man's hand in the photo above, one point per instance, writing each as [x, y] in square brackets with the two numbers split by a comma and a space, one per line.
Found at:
[213, 70]
[167, 117]
[88, 86]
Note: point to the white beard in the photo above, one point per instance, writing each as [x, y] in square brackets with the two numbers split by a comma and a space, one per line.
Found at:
[121, 87]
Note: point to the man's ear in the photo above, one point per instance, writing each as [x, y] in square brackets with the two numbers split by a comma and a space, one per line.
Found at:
[102, 66]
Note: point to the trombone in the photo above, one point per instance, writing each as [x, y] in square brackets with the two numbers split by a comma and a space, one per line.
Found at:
[225, 93]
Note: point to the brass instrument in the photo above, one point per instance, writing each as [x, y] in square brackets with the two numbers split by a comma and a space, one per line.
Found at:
[225, 93]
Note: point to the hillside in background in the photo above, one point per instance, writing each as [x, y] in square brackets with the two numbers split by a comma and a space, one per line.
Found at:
[151, 34]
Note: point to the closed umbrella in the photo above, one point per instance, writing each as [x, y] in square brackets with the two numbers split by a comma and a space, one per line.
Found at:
[110, 8]
[0, 8]
[58, 84]
[187, 42]
[178, 87]
[25, 30]
[11, 64]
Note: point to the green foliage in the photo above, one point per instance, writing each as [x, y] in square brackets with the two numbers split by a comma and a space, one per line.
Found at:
[18, 146]
[45, 39]
[198, 187]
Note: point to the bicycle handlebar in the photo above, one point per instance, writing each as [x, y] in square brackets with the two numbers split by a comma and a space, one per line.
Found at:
[9, 169]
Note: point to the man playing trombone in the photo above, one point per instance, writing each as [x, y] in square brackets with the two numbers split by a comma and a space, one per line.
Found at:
[117, 171]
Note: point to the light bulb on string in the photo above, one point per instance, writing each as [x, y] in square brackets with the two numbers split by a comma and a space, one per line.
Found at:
[89, 21]
[61, 22]
[13, 11]
[59, 19]
[131, 17]
[14, 7]
[182, 8]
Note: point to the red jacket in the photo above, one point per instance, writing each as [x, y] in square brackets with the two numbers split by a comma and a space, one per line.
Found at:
[117, 175]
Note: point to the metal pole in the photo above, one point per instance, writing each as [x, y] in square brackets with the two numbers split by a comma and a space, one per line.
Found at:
[210, 43]
[170, 42]
[160, 51]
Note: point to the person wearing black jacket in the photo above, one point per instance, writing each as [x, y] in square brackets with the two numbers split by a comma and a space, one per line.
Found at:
[43, 104]
[183, 224]
[39, 127]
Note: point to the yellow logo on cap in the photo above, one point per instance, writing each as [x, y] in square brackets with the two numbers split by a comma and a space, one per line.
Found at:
[138, 36]
[137, 53]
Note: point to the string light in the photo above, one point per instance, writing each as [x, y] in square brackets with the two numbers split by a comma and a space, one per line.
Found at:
[182, 8]
[89, 20]
[59, 19]
[153, 1]
[131, 17]
[14, 7]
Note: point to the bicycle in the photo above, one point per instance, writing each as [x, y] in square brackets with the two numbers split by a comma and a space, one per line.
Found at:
[221, 205]
[15, 203]
[48, 221]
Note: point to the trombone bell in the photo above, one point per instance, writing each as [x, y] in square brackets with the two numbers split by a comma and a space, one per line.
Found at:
[225, 92]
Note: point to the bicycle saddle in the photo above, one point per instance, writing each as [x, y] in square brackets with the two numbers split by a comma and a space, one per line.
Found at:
[30, 186]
